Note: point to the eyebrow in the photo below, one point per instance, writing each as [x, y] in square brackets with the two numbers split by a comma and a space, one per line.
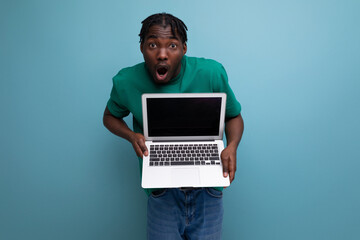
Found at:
[154, 36]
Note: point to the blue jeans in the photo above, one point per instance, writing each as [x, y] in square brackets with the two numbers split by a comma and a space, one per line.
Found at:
[185, 214]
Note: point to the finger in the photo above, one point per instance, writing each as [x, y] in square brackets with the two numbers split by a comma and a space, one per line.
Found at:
[232, 170]
[143, 147]
[225, 163]
[232, 176]
[137, 149]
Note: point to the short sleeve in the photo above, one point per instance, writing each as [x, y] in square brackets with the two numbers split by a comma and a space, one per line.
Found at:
[115, 104]
[233, 107]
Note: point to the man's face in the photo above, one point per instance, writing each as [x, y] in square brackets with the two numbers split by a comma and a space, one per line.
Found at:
[162, 53]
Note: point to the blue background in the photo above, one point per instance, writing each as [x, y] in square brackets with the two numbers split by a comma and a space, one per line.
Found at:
[293, 65]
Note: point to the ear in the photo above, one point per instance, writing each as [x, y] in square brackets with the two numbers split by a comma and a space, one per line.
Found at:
[184, 48]
[142, 47]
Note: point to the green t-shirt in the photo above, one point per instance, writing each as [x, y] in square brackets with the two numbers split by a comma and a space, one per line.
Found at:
[197, 75]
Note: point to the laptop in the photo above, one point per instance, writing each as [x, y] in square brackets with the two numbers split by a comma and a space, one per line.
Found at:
[183, 134]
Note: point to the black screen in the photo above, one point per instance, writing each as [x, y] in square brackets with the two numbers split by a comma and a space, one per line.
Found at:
[183, 116]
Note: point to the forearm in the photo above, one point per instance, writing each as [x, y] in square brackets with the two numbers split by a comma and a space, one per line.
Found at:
[117, 126]
[234, 129]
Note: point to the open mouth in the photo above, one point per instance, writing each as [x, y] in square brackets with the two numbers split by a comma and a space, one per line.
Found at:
[161, 73]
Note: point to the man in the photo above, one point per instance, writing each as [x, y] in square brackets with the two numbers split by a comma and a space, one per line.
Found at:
[174, 213]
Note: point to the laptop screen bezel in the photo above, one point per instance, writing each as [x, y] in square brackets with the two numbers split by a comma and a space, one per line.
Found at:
[183, 95]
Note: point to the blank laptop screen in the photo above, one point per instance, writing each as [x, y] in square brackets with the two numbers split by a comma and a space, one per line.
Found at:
[183, 116]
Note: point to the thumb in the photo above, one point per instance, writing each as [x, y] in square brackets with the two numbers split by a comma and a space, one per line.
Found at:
[143, 147]
[225, 163]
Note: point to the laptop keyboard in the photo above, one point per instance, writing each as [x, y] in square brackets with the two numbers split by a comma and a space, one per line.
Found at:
[184, 154]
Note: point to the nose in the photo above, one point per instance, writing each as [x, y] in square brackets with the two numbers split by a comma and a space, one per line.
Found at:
[162, 54]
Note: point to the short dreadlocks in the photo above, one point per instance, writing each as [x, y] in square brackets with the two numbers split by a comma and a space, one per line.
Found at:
[164, 19]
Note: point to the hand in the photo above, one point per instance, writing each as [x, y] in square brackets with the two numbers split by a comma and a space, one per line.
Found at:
[138, 143]
[228, 158]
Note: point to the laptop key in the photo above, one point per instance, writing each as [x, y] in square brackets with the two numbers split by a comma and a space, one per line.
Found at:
[182, 163]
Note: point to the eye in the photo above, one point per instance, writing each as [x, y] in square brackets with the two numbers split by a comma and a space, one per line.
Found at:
[152, 45]
[173, 45]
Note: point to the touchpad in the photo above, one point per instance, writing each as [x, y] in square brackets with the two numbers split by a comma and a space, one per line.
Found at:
[185, 177]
